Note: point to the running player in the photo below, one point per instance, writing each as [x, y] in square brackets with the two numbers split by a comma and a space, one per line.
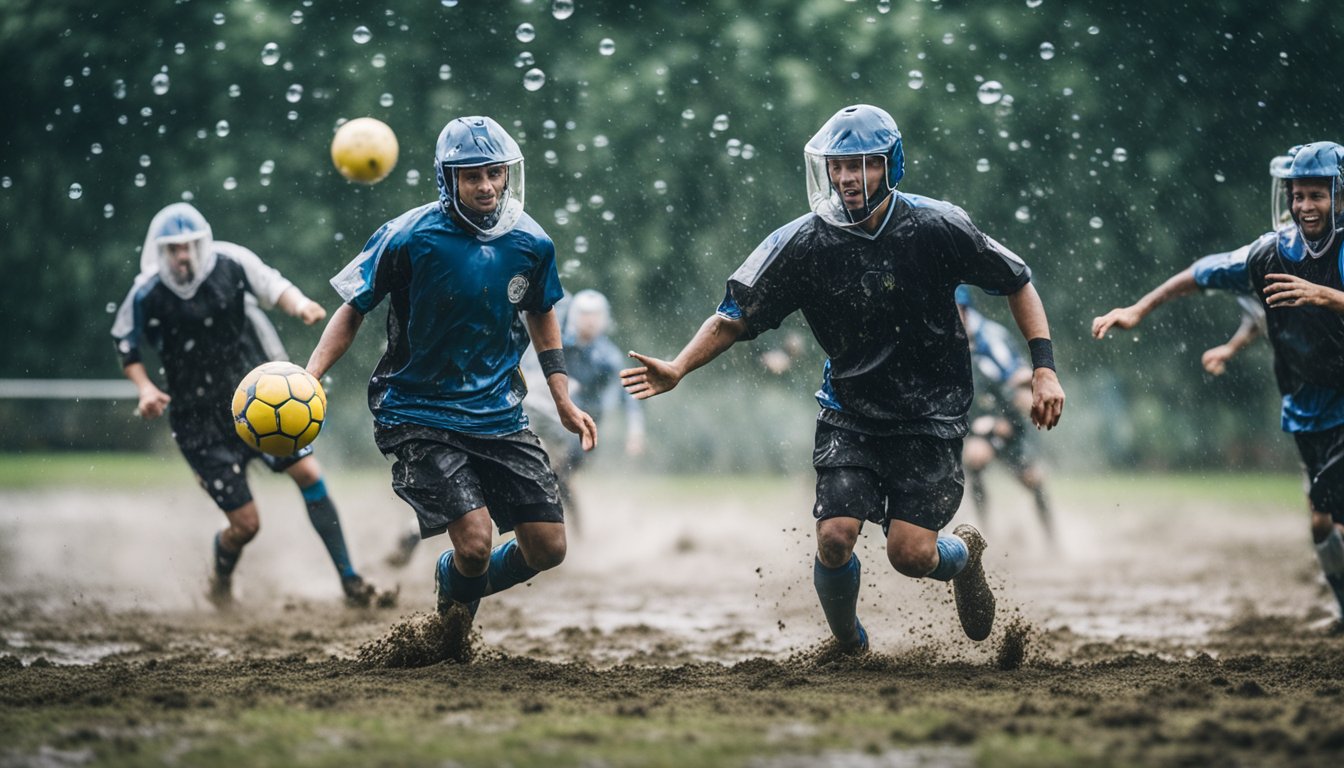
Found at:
[196, 303]
[873, 271]
[468, 277]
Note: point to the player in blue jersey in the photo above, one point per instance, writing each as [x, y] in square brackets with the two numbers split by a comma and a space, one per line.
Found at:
[873, 271]
[196, 303]
[1000, 414]
[1296, 273]
[468, 278]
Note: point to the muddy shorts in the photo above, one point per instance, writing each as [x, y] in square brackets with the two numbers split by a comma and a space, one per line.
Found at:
[220, 458]
[444, 475]
[913, 478]
[1323, 458]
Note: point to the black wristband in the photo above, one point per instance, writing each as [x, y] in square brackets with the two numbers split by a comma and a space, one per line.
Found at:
[1042, 353]
[552, 361]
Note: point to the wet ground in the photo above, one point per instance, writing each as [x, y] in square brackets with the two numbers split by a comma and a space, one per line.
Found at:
[1175, 622]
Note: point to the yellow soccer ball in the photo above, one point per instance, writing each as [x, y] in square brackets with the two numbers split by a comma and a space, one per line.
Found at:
[279, 408]
[364, 150]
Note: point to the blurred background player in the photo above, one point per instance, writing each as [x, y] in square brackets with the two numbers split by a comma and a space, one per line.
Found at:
[469, 279]
[1000, 413]
[196, 303]
[873, 271]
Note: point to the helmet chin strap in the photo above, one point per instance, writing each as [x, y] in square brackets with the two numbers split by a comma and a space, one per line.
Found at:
[481, 221]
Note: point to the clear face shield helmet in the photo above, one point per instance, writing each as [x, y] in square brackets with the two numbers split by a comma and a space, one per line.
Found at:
[491, 210]
[1310, 162]
[832, 180]
[180, 257]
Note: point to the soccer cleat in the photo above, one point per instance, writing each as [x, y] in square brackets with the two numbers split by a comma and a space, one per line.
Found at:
[358, 592]
[975, 601]
[858, 646]
[220, 593]
[442, 596]
[399, 557]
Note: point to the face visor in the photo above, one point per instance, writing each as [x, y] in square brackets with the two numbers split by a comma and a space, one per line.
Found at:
[179, 247]
[1283, 212]
[846, 190]
[489, 198]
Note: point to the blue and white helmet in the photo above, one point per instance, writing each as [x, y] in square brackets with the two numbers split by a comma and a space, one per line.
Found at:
[179, 224]
[861, 131]
[1317, 160]
[477, 142]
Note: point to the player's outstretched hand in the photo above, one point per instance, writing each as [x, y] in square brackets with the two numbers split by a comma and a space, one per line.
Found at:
[654, 377]
[1122, 317]
[578, 422]
[1292, 291]
[1047, 398]
[1215, 359]
[312, 312]
[152, 402]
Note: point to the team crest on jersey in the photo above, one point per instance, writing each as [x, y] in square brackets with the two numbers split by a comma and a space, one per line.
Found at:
[517, 287]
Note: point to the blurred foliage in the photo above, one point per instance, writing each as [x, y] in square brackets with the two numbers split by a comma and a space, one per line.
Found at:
[1139, 145]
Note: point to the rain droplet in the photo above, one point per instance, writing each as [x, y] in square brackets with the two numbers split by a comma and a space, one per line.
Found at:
[385, 100]
[600, 141]
[362, 35]
[1047, 51]
[267, 167]
[6, 182]
[230, 184]
[69, 81]
[219, 19]
[596, 201]
[562, 9]
[108, 211]
[1034, 3]
[1094, 30]
[139, 179]
[222, 128]
[660, 186]
[180, 48]
[270, 54]
[982, 165]
[607, 46]
[1094, 222]
[378, 61]
[1022, 214]
[1283, 58]
[144, 161]
[580, 244]
[76, 191]
[551, 157]
[412, 177]
[294, 94]
[235, 91]
[445, 72]
[449, 3]
[118, 89]
[990, 92]
[111, 308]
[548, 129]
[884, 6]
[949, 38]
[734, 147]
[160, 83]
[1219, 177]
[1119, 154]
[721, 123]
[533, 79]
[688, 114]
[296, 17]
[96, 148]
[524, 59]
[916, 80]
[525, 33]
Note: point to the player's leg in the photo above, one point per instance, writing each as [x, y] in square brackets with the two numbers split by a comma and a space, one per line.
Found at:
[526, 498]
[244, 523]
[1033, 479]
[846, 496]
[462, 573]
[219, 462]
[405, 547]
[1323, 455]
[536, 547]
[977, 453]
[306, 473]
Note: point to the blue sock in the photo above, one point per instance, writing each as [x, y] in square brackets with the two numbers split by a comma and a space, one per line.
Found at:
[952, 554]
[508, 567]
[225, 559]
[838, 591]
[322, 514]
[461, 588]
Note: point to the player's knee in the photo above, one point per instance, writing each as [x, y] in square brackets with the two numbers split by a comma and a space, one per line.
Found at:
[834, 546]
[977, 453]
[912, 558]
[546, 555]
[1031, 477]
[244, 528]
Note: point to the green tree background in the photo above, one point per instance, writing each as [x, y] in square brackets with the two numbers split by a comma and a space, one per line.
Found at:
[1128, 141]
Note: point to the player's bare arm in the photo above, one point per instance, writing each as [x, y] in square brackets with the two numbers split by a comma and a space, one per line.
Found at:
[293, 303]
[153, 400]
[656, 376]
[545, 332]
[336, 339]
[1292, 291]
[1216, 358]
[1180, 284]
[1047, 395]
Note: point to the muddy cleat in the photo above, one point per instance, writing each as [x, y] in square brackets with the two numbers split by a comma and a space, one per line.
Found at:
[406, 545]
[358, 592]
[858, 646]
[975, 601]
[455, 621]
[220, 593]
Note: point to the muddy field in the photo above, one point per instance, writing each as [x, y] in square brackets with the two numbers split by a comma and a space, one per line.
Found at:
[1179, 621]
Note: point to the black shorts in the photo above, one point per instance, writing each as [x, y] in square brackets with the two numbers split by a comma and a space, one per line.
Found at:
[1016, 450]
[913, 478]
[1323, 458]
[219, 458]
[444, 475]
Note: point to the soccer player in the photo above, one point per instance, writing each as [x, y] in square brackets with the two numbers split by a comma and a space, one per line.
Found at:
[1295, 273]
[195, 302]
[469, 277]
[999, 413]
[873, 271]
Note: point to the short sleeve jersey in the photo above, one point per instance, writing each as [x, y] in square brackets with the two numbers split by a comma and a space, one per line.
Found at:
[882, 309]
[454, 333]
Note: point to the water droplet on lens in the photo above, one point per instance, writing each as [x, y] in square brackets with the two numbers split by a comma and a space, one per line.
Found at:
[160, 83]
[1219, 177]
[139, 179]
[548, 129]
[884, 6]
[362, 35]
[1093, 30]
[562, 9]
[1047, 51]
[96, 148]
[267, 167]
[76, 191]
[534, 79]
[270, 54]
[235, 91]
[580, 244]
[607, 46]
[525, 33]
[688, 114]
[378, 61]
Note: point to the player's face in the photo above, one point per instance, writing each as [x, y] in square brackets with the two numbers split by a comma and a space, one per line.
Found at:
[480, 188]
[855, 179]
[1310, 199]
[181, 262]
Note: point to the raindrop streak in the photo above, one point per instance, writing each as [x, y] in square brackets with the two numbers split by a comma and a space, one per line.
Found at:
[362, 35]
[990, 92]
[916, 80]
[1047, 51]
[76, 191]
[270, 54]
[1094, 222]
[222, 128]
[607, 46]
[562, 9]
[525, 33]
[294, 94]
[533, 79]
[160, 83]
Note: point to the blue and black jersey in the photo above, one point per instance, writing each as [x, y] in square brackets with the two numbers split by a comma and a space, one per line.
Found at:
[454, 333]
[1308, 341]
[882, 309]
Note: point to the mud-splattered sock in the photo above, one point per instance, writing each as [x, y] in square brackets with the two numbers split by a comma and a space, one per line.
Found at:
[838, 592]
[322, 514]
[459, 587]
[952, 554]
[1330, 553]
[225, 559]
[508, 567]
